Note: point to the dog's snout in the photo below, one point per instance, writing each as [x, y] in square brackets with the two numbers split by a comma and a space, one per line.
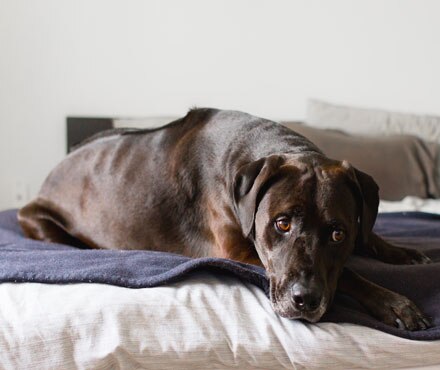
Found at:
[305, 298]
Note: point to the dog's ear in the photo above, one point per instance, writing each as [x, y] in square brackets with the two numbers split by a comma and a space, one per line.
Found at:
[369, 203]
[249, 183]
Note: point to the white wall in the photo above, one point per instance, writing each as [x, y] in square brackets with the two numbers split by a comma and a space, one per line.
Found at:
[142, 58]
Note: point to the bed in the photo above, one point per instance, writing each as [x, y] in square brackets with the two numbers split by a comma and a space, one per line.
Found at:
[207, 319]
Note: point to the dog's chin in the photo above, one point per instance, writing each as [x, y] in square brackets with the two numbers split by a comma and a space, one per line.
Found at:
[289, 312]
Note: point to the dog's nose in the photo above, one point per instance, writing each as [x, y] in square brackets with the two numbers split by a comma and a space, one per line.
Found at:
[305, 299]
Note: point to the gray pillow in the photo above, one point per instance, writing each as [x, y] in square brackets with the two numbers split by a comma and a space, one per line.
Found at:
[371, 122]
[401, 164]
[374, 122]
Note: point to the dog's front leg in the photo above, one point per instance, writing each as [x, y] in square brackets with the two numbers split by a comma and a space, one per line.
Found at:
[389, 307]
[380, 249]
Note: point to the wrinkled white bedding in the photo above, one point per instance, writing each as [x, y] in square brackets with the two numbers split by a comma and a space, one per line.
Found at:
[411, 204]
[207, 321]
[204, 322]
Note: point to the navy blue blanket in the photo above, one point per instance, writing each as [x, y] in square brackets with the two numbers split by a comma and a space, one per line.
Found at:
[26, 260]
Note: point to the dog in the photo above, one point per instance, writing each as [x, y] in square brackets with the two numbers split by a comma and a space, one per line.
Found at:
[230, 185]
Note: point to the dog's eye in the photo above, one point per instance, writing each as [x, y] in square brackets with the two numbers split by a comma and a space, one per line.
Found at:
[338, 235]
[283, 225]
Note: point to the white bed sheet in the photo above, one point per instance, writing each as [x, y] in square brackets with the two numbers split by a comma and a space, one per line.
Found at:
[205, 322]
[410, 204]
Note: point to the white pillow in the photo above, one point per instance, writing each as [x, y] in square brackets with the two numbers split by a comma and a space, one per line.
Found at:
[372, 122]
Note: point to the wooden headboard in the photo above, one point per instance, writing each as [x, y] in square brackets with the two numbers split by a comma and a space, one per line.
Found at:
[80, 128]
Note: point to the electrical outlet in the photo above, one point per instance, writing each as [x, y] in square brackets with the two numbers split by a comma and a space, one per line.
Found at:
[20, 193]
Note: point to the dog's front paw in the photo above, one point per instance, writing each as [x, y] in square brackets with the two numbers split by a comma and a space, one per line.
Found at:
[414, 257]
[388, 253]
[396, 310]
[403, 256]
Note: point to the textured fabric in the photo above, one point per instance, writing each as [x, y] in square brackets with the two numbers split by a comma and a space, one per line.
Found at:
[402, 165]
[410, 204]
[374, 122]
[27, 260]
[24, 260]
[205, 321]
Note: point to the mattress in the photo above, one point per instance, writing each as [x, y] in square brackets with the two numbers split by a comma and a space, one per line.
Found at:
[203, 321]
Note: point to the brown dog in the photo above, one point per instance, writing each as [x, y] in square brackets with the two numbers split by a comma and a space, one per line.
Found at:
[227, 184]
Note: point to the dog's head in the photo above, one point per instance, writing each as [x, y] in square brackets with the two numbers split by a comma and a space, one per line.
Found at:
[305, 216]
